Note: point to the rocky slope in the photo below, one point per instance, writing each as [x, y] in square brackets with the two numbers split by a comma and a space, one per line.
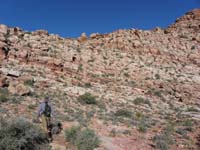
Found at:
[144, 81]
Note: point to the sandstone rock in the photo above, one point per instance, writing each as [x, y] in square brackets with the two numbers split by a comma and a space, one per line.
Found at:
[40, 32]
[195, 13]
[10, 72]
[136, 44]
[94, 35]
[17, 30]
[83, 37]
[3, 29]
[158, 30]
[2, 37]
[154, 51]
[22, 54]
[13, 39]
[19, 89]
[2, 54]
[3, 81]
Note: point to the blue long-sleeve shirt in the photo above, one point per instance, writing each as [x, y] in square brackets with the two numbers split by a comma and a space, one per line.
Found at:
[41, 109]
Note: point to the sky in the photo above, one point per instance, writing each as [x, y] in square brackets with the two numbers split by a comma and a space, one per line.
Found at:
[70, 18]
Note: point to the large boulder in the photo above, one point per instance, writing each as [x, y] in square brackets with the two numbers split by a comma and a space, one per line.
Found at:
[10, 72]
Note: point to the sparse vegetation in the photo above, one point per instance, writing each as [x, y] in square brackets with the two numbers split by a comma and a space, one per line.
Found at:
[87, 98]
[140, 100]
[19, 134]
[4, 95]
[32, 106]
[142, 122]
[123, 113]
[72, 134]
[87, 85]
[83, 139]
[80, 67]
[165, 139]
[29, 82]
[158, 93]
[157, 76]
[192, 109]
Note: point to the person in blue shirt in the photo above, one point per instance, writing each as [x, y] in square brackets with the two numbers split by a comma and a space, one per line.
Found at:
[45, 112]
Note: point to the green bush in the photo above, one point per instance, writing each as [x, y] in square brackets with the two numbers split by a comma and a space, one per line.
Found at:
[83, 139]
[19, 134]
[87, 98]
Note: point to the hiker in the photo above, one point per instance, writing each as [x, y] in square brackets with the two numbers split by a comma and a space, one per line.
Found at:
[45, 113]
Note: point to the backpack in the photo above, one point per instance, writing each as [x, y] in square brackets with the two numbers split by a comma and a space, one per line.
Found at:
[47, 110]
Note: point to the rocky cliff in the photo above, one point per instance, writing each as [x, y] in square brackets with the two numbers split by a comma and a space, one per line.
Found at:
[154, 75]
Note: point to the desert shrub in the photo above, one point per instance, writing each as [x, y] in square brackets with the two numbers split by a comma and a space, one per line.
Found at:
[132, 83]
[87, 98]
[4, 95]
[142, 127]
[29, 82]
[88, 85]
[71, 134]
[123, 113]
[192, 109]
[32, 106]
[87, 140]
[165, 139]
[83, 139]
[142, 122]
[188, 123]
[19, 134]
[157, 76]
[140, 100]
[161, 142]
[181, 131]
[158, 93]
[3, 98]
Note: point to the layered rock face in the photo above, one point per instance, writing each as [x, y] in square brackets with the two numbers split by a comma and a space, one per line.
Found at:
[172, 54]
[162, 65]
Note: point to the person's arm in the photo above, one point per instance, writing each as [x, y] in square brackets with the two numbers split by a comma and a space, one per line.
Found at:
[40, 109]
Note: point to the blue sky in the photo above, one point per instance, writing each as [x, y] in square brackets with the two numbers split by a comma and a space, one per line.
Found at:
[69, 18]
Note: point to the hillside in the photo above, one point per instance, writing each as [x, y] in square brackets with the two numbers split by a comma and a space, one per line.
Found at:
[143, 81]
